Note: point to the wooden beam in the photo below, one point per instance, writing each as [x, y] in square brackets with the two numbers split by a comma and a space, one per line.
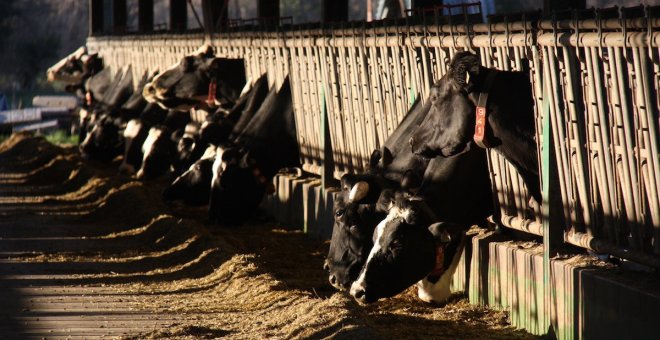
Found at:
[178, 15]
[559, 5]
[269, 10]
[145, 15]
[95, 17]
[334, 10]
[425, 3]
[119, 16]
[215, 15]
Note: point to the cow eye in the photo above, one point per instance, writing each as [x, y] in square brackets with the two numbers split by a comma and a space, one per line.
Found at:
[340, 212]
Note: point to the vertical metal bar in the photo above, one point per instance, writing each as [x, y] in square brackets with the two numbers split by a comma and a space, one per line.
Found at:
[648, 136]
[623, 142]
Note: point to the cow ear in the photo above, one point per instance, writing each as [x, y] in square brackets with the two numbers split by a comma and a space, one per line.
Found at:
[347, 181]
[439, 232]
[445, 232]
[385, 200]
[463, 67]
[214, 65]
[387, 157]
[374, 159]
[205, 51]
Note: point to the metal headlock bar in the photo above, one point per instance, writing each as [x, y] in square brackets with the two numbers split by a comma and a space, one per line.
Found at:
[598, 77]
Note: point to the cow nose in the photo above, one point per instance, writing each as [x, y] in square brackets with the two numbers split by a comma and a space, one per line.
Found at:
[359, 295]
[149, 89]
[326, 266]
[411, 141]
[333, 280]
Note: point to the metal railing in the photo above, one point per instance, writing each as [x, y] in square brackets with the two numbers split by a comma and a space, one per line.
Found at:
[599, 77]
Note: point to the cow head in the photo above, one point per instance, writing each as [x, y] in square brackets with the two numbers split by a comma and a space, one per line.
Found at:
[237, 186]
[194, 185]
[356, 216]
[157, 153]
[408, 247]
[102, 140]
[187, 83]
[76, 67]
[448, 128]
[188, 149]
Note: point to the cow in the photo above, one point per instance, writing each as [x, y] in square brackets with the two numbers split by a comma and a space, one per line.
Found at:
[74, 69]
[411, 246]
[218, 129]
[267, 144]
[159, 147]
[137, 129]
[392, 167]
[198, 80]
[193, 187]
[97, 130]
[509, 127]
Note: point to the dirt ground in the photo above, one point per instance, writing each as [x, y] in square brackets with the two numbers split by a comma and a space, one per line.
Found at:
[87, 253]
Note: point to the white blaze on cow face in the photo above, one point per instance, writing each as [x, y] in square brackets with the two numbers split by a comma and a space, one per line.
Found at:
[209, 152]
[394, 213]
[358, 191]
[132, 128]
[217, 164]
[147, 147]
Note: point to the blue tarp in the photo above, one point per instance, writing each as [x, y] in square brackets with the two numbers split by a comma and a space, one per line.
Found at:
[3, 102]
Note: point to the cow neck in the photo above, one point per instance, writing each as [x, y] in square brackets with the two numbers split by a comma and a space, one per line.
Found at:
[263, 180]
[439, 268]
[212, 100]
[481, 112]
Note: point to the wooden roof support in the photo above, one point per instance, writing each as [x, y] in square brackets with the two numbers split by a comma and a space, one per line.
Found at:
[178, 15]
[95, 17]
[145, 15]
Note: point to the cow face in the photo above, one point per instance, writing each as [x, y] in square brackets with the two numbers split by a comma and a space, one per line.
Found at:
[135, 134]
[356, 216]
[448, 128]
[188, 149]
[186, 84]
[194, 185]
[236, 188]
[158, 151]
[405, 251]
[102, 140]
[74, 68]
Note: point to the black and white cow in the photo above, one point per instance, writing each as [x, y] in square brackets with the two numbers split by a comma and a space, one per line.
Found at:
[410, 246]
[217, 130]
[159, 149]
[193, 187]
[198, 79]
[449, 127]
[243, 174]
[101, 138]
[390, 167]
[448, 133]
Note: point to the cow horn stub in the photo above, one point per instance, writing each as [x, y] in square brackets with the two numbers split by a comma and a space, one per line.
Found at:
[358, 191]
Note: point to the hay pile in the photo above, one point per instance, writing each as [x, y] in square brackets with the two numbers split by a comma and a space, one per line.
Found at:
[260, 280]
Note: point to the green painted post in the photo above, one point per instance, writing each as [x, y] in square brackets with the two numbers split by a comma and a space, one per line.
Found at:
[327, 175]
[552, 231]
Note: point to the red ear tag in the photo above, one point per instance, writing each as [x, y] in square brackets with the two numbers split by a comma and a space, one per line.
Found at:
[480, 127]
[211, 97]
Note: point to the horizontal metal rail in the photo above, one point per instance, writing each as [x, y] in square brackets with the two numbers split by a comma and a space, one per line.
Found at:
[604, 105]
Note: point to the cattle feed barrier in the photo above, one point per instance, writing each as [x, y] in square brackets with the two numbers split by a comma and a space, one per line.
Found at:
[595, 83]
